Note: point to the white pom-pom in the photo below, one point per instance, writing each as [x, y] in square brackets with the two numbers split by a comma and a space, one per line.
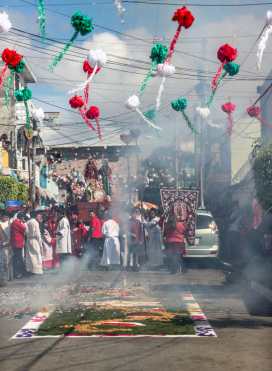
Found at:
[5, 24]
[38, 114]
[133, 102]
[165, 69]
[97, 57]
[203, 112]
[269, 18]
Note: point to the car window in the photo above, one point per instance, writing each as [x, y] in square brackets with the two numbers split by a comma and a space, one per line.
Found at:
[203, 221]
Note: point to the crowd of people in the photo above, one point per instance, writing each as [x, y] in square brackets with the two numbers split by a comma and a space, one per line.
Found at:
[38, 242]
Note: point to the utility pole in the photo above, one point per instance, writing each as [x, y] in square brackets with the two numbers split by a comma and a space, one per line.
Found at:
[176, 156]
[29, 169]
[202, 127]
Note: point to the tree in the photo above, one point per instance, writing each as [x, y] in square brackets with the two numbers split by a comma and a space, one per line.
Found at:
[262, 171]
[11, 189]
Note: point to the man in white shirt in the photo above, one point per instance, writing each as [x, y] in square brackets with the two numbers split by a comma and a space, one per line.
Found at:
[111, 251]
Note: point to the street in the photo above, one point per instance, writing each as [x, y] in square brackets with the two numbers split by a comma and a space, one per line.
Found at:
[243, 342]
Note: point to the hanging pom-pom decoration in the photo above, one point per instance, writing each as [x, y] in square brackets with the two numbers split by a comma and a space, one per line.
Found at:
[41, 18]
[96, 60]
[133, 104]
[157, 56]
[24, 95]
[77, 102]
[255, 112]
[226, 55]
[13, 61]
[5, 24]
[120, 9]
[267, 30]
[93, 113]
[180, 105]
[229, 108]
[185, 19]
[82, 25]
[204, 112]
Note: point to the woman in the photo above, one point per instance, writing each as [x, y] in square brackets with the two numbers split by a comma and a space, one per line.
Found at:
[174, 240]
[47, 248]
[155, 239]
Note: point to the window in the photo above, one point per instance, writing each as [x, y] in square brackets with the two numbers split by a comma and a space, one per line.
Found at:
[203, 221]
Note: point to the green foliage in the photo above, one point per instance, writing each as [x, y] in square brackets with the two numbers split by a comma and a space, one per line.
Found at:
[262, 170]
[10, 189]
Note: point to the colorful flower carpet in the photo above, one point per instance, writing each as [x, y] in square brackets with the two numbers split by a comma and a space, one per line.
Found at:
[119, 313]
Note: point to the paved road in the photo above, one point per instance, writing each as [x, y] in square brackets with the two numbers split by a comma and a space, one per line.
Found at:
[244, 342]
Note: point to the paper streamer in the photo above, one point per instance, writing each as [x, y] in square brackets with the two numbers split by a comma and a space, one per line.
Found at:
[41, 18]
[3, 75]
[262, 45]
[85, 84]
[120, 9]
[185, 19]
[160, 91]
[82, 25]
[151, 124]
[180, 105]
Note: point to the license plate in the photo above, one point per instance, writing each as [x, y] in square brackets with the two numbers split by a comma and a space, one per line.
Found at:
[197, 241]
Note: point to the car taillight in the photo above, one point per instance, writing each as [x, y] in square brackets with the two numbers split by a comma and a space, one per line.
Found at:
[213, 227]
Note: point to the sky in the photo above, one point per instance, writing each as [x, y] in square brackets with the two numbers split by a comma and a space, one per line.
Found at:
[128, 47]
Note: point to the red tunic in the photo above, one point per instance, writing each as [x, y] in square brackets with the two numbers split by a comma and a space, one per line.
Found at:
[17, 234]
[96, 227]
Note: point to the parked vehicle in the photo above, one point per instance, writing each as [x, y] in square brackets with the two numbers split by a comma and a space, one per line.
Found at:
[207, 240]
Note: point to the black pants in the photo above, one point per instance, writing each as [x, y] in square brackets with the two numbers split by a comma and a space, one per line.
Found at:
[95, 252]
[18, 262]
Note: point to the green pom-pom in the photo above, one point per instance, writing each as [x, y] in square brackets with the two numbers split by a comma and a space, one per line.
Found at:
[82, 23]
[19, 68]
[150, 114]
[179, 104]
[232, 68]
[23, 95]
[158, 53]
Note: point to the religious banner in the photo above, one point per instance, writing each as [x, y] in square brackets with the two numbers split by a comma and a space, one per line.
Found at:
[183, 203]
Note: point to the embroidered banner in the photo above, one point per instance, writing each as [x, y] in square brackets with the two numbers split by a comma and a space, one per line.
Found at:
[183, 203]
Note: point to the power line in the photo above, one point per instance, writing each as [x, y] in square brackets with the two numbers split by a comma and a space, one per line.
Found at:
[146, 2]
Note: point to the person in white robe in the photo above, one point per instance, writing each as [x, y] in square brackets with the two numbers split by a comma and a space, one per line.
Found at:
[33, 250]
[64, 242]
[111, 250]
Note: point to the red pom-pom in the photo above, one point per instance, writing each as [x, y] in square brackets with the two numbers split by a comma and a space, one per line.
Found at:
[226, 53]
[254, 111]
[93, 113]
[87, 68]
[11, 57]
[184, 17]
[76, 101]
[228, 107]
